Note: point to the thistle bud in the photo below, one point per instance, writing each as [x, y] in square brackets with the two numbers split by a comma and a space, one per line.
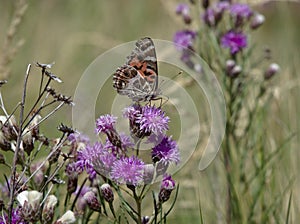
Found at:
[72, 171]
[48, 210]
[1, 205]
[39, 175]
[145, 219]
[30, 202]
[67, 218]
[9, 127]
[229, 65]
[55, 152]
[232, 69]
[235, 71]
[257, 21]
[92, 201]
[4, 144]
[107, 193]
[167, 186]
[271, 71]
[2, 159]
[187, 19]
[205, 4]
[28, 142]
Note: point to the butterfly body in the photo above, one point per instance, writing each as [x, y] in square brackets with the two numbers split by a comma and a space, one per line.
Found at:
[138, 77]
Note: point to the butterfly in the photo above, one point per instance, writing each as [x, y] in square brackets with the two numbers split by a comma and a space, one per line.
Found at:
[138, 77]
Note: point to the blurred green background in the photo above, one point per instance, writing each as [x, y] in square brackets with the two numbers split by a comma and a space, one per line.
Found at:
[73, 33]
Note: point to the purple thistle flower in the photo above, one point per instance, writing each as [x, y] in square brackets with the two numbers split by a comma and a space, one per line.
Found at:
[240, 10]
[153, 120]
[235, 41]
[166, 151]
[182, 9]
[132, 111]
[222, 6]
[213, 15]
[78, 138]
[72, 169]
[96, 159]
[105, 123]
[128, 170]
[209, 17]
[15, 219]
[184, 39]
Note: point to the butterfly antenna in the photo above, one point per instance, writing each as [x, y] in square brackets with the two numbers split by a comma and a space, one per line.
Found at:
[174, 77]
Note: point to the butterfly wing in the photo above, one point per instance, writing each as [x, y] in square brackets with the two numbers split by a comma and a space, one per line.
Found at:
[138, 78]
[143, 58]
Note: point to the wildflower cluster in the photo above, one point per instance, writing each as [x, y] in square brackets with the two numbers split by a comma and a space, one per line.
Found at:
[26, 194]
[222, 39]
[115, 161]
[113, 164]
[223, 25]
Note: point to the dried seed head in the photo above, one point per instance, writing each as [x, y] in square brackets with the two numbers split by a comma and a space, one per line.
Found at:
[48, 210]
[51, 91]
[65, 129]
[44, 66]
[53, 76]
[30, 202]
[67, 218]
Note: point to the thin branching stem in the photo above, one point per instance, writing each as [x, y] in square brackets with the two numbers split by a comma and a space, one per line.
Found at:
[18, 144]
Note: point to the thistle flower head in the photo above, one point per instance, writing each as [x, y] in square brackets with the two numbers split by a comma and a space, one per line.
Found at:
[96, 158]
[16, 217]
[182, 9]
[153, 120]
[241, 10]
[166, 151]
[105, 123]
[236, 41]
[184, 39]
[128, 170]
